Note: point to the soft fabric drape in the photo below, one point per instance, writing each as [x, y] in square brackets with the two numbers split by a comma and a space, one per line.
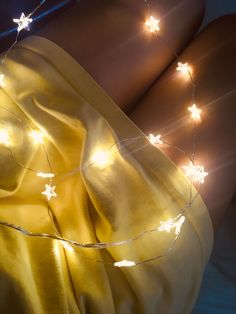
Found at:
[138, 187]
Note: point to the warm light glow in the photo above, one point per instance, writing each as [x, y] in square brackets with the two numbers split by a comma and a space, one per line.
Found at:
[172, 223]
[184, 68]
[45, 175]
[67, 246]
[4, 137]
[155, 140]
[2, 77]
[195, 173]
[49, 191]
[124, 263]
[37, 136]
[152, 24]
[101, 159]
[195, 112]
[23, 22]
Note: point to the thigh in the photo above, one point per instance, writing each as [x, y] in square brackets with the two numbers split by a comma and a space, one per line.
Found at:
[109, 40]
[164, 110]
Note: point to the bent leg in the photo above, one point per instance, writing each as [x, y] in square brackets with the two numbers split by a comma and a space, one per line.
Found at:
[109, 40]
[164, 110]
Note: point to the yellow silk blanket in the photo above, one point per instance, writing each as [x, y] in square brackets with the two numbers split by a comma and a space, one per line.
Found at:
[98, 200]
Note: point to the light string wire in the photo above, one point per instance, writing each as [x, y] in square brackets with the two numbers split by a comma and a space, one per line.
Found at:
[173, 224]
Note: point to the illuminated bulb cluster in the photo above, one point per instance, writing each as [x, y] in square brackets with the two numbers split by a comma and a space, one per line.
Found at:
[172, 224]
[155, 140]
[152, 24]
[195, 112]
[183, 67]
[23, 22]
[124, 263]
[195, 173]
[2, 83]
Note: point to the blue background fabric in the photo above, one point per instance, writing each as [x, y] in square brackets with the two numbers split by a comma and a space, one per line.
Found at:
[218, 291]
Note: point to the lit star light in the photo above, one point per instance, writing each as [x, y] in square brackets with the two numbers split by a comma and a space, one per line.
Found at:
[172, 223]
[155, 140]
[195, 112]
[49, 191]
[37, 136]
[152, 24]
[2, 83]
[23, 22]
[183, 67]
[45, 175]
[4, 137]
[195, 173]
[124, 263]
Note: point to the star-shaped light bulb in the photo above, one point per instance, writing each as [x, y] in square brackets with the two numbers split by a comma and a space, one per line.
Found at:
[171, 224]
[195, 112]
[124, 263]
[4, 137]
[195, 173]
[2, 77]
[152, 24]
[183, 67]
[37, 136]
[23, 22]
[102, 159]
[45, 174]
[155, 139]
[49, 191]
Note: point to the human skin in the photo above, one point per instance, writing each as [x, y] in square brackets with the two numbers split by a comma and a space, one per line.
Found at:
[109, 41]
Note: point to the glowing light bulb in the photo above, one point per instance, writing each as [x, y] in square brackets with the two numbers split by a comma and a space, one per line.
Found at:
[2, 77]
[195, 173]
[49, 191]
[23, 22]
[155, 140]
[124, 263]
[195, 112]
[152, 24]
[183, 67]
[101, 158]
[172, 223]
[45, 175]
[67, 246]
[4, 137]
[37, 136]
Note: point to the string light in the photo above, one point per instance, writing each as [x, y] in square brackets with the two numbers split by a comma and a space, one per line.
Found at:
[152, 24]
[2, 77]
[4, 137]
[103, 158]
[195, 173]
[49, 191]
[155, 140]
[195, 112]
[172, 223]
[37, 136]
[23, 22]
[124, 263]
[183, 67]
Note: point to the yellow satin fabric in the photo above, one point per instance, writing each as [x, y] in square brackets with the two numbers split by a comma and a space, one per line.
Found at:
[137, 189]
